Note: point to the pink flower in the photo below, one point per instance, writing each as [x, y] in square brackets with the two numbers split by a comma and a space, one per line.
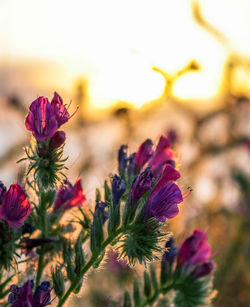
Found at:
[15, 207]
[59, 109]
[162, 154]
[143, 154]
[194, 250]
[41, 120]
[69, 196]
[45, 118]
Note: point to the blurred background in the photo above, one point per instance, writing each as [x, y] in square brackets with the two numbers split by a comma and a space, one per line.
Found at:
[139, 69]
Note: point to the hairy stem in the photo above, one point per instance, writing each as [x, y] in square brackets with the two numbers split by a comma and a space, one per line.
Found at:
[88, 265]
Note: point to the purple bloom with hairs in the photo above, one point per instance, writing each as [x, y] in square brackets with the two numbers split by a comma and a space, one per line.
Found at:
[100, 209]
[165, 196]
[41, 120]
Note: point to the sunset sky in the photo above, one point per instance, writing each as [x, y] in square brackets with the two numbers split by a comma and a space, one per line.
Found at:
[115, 43]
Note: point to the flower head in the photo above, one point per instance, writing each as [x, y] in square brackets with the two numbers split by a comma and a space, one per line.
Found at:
[165, 196]
[24, 296]
[41, 120]
[69, 196]
[194, 250]
[59, 109]
[15, 207]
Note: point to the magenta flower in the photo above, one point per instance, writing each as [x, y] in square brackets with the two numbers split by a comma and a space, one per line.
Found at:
[165, 196]
[143, 154]
[41, 120]
[59, 109]
[57, 139]
[15, 207]
[69, 196]
[24, 296]
[194, 250]
[162, 154]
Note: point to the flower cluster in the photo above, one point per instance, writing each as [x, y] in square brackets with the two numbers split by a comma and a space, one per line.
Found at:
[128, 215]
[45, 118]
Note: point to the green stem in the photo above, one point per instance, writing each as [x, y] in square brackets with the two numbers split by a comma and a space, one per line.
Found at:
[88, 265]
[41, 264]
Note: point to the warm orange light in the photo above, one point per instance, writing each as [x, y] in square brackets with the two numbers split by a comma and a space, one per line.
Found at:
[115, 43]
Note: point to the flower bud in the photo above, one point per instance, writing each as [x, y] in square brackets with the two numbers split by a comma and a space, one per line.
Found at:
[57, 139]
[118, 188]
[143, 154]
[203, 269]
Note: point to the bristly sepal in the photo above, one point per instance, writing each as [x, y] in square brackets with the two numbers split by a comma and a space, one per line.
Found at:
[193, 292]
[143, 241]
[47, 163]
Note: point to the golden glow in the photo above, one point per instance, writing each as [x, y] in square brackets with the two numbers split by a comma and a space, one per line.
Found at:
[114, 43]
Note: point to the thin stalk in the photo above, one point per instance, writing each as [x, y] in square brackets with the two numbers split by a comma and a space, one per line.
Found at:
[88, 265]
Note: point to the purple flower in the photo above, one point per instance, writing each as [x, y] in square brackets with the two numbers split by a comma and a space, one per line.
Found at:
[164, 198]
[118, 188]
[170, 253]
[141, 185]
[115, 264]
[162, 155]
[69, 196]
[15, 207]
[143, 154]
[194, 250]
[203, 269]
[24, 297]
[57, 139]
[59, 109]
[41, 120]
[162, 203]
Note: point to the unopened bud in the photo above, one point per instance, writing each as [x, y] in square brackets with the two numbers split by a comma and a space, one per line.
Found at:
[57, 139]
